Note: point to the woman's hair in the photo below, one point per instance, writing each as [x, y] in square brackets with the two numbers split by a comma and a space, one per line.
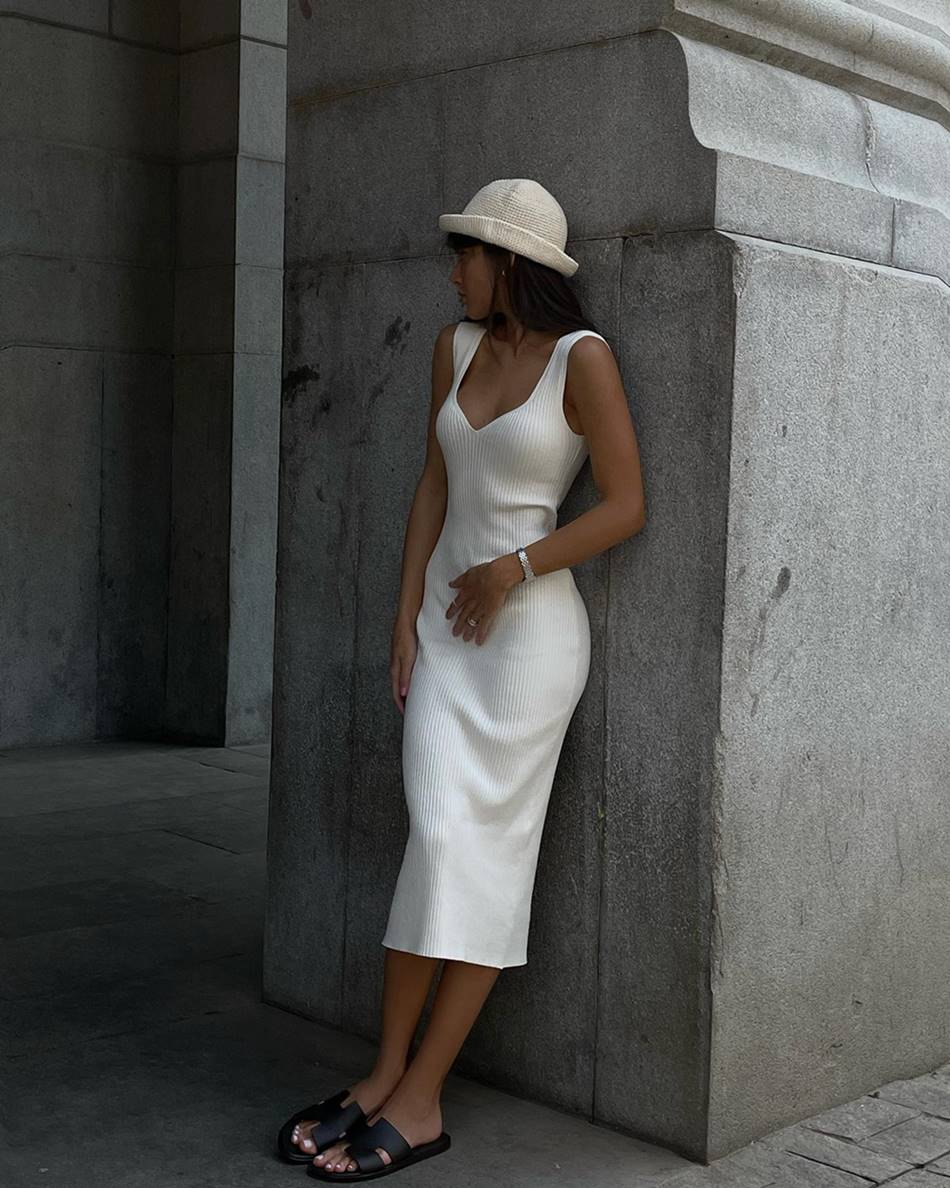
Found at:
[540, 297]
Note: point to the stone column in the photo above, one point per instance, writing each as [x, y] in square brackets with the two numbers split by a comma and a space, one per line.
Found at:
[229, 279]
[740, 914]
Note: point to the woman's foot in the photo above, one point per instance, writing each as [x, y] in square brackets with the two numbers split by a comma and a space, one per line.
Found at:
[371, 1093]
[417, 1121]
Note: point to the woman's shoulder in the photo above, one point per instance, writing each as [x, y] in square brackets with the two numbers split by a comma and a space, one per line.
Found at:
[453, 336]
[453, 330]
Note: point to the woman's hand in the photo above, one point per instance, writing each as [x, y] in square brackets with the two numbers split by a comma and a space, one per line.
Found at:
[482, 591]
[401, 661]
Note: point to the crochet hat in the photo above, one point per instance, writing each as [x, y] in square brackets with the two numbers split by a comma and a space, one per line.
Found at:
[521, 215]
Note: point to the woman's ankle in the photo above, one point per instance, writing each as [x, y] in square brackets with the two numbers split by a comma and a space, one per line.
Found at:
[387, 1075]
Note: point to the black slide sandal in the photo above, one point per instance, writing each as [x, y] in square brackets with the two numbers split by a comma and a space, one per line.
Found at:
[334, 1119]
[362, 1151]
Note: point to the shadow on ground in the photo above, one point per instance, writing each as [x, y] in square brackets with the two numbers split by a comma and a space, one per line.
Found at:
[136, 1050]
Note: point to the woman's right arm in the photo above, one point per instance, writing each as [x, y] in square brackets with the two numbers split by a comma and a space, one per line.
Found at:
[426, 517]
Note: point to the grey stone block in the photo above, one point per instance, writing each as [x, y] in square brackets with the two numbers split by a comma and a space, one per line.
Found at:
[755, 1166]
[65, 200]
[264, 19]
[907, 154]
[81, 14]
[258, 233]
[89, 304]
[655, 176]
[364, 175]
[928, 1094]
[146, 21]
[850, 160]
[857, 1119]
[198, 614]
[773, 202]
[918, 1140]
[840, 1153]
[133, 543]
[207, 208]
[337, 47]
[209, 101]
[940, 1166]
[206, 21]
[921, 240]
[919, 1178]
[128, 92]
[49, 545]
[799, 123]
[806, 1173]
[257, 311]
[832, 667]
[263, 101]
[205, 310]
[256, 428]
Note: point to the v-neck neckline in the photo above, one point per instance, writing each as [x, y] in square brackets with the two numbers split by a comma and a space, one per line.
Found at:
[508, 412]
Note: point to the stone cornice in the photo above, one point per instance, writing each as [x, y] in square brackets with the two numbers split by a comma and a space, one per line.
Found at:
[866, 46]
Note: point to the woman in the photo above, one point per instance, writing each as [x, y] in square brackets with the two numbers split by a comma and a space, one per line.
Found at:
[490, 653]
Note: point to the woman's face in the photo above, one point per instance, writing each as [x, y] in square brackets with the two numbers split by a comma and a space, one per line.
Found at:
[473, 276]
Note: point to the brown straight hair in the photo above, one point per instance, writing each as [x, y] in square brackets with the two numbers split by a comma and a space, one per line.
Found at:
[540, 296]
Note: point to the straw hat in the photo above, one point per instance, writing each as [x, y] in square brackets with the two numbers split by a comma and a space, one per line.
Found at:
[521, 215]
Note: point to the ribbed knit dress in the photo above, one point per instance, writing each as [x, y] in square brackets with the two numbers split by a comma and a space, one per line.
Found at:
[484, 723]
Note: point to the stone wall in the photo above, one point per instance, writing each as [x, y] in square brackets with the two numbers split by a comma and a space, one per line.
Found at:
[746, 849]
[140, 294]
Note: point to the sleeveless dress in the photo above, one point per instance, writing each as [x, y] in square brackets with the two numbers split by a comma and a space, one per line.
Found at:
[483, 724]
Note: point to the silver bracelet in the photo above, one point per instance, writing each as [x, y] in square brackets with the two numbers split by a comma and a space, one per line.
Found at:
[529, 574]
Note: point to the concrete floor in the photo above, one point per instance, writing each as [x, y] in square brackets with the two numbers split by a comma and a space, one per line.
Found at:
[135, 1048]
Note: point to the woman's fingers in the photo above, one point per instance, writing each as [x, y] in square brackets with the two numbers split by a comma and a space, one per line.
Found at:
[466, 610]
[400, 672]
[394, 680]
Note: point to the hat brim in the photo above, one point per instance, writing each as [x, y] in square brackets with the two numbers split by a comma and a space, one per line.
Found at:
[510, 236]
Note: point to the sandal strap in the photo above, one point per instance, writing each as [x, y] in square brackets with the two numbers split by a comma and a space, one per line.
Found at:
[328, 1131]
[362, 1150]
[340, 1119]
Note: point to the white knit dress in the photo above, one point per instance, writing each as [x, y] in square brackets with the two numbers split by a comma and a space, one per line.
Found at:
[484, 723]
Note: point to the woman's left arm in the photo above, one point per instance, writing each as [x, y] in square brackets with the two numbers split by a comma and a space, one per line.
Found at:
[595, 389]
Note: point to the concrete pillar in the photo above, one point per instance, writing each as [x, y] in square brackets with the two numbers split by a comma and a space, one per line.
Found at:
[228, 280]
[745, 864]
[141, 191]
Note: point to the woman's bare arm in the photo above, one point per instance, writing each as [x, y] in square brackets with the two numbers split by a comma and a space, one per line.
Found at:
[427, 513]
[595, 390]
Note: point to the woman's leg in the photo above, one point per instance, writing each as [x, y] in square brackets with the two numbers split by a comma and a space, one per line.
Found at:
[414, 1106]
[407, 978]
